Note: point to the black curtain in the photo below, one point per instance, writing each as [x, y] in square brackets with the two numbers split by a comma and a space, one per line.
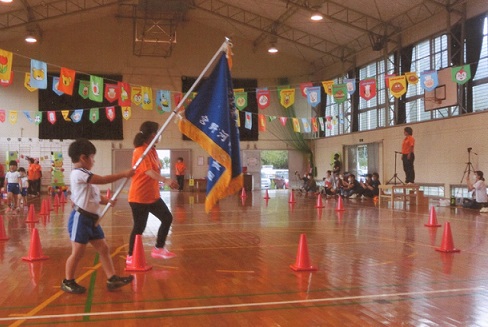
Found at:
[474, 40]
[405, 67]
[354, 73]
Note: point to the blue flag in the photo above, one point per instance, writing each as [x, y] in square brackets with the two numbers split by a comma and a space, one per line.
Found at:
[211, 121]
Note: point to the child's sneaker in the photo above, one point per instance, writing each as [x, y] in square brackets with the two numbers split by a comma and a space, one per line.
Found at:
[115, 281]
[162, 253]
[70, 286]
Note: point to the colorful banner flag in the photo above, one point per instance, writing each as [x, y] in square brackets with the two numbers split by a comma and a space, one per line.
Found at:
[112, 92]
[2, 116]
[7, 82]
[287, 97]
[38, 118]
[461, 74]
[210, 120]
[387, 79]
[339, 92]
[350, 85]
[313, 95]
[296, 125]
[84, 89]
[65, 114]
[126, 113]
[55, 86]
[110, 113]
[367, 88]
[322, 124]
[283, 121]
[304, 88]
[328, 86]
[263, 97]
[5, 64]
[412, 78]
[248, 120]
[306, 125]
[38, 74]
[136, 94]
[261, 123]
[77, 115]
[398, 86]
[241, 100]
[96, 88]
[51, 117]
[315, 125]
[163, 101]
[147, 98]
[125, 96]
[429, 80]
[28, 116]
[94, 115]
[67, 78]
[27, 83]
[12, 117]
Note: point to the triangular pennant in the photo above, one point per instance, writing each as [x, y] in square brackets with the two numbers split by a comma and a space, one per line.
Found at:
[67, 79]
[315, 126]
[65, 114]
[240, 100]
[306, 125]
[28, 116]
[412, 78]
[398, 86]
[2, 116]
[163, 100]
[110, 112]
[125, 96]
[350, 85]
[38, 74]
[339, 92]
[147, 98]
[321, 124]
[5, 64]
[263, 97]
[313, 95]
[262, 123]
[367, 88]
[83, 89]
[38, 118]
[304, 88]
[27, 83]
[77, 115]
[51, 117]
[327, 85]
[461, 74]
[248, 123]
[136, 94]
[296, 125]
[96, 88]
[287, 97]
[94, 115]
[55, 86]
[7, 82]
[283, 120]
[111, 92]
[429, 80]
[387, 79]
[126, 113]
[12, 117]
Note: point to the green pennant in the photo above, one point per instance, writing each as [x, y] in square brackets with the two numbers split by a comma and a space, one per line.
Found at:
[241, 100]
[38, 118]
[95, 92]
[83, 89]
[94, 115]
[461, 74]
[339, 92]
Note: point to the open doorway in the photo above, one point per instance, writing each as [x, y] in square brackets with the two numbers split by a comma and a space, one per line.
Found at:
[274, 169]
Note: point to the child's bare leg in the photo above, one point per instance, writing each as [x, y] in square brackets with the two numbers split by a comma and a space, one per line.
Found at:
[102, 248]
[77, 252]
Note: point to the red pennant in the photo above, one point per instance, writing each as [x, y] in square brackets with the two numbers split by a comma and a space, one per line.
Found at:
[2, 116]
[124, 94]
[51, 117]
[262, 123]
[283, 120]
[303, 88]
[110, 112]
[177, 97]
[367, 88]
[6, 83]
[112, 92]
[263, 97]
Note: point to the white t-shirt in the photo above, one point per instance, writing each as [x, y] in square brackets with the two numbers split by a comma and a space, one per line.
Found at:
[480, 191]
[12, 177]
[24, 182]
[84, 195]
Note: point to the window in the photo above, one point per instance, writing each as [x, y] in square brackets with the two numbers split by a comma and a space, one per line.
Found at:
[337, 116]
[480, 80]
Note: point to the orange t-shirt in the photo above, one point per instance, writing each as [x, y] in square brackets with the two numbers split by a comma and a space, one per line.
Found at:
[34, 172]
[407, 144]
[180, 168]
[144, 189]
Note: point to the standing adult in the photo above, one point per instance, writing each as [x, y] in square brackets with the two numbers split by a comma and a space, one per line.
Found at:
[180, 169]
[34, 175]
[144, 196]
[408, 156]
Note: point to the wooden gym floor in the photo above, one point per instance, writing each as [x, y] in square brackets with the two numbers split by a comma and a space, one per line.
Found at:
[375, 266]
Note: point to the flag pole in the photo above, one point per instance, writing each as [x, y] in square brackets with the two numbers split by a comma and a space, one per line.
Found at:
[227, 43]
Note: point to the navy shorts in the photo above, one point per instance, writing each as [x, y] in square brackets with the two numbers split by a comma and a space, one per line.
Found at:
[24, 191]
[82, 228]
[13, 188]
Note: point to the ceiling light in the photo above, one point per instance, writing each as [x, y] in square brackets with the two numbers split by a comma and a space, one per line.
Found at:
[316, 16]
[6, 1]
[30, 38]
[273, 49]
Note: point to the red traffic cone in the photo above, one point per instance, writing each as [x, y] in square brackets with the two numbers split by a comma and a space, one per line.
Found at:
[44, 208]
[447, 245]
[243, 193]
[319, 202]
[292, 197]
[340, 205]
[49, 205]
[31, 215]
[35, 250]
[138, 257]
[56, 200]
[302, 262]
[432, 219]
[3, 234]
[266, 195]
[62, 198]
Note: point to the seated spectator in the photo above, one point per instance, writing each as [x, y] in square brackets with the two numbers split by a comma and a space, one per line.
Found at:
[329, 183]
[311, 184]
[478, 188]
[371, 185]
[351, 189]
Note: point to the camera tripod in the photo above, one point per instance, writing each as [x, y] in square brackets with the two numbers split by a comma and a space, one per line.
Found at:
[469, 166]
[395, 177]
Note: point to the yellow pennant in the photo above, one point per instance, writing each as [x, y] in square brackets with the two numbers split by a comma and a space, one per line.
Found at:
[238, 120]
[147, 98]
[412, 78]
[27, 83]
[12, 117]
[126, 112]
[398, 86]
[328, 86]
[296, 125]
[136, 94]
[65, 114]
[5, 65]
[287, 97]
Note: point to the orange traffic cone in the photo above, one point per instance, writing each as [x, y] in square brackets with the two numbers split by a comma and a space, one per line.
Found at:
[302, 262]
[319, 202]
[35, 250]
[3, 234]
[44, 208]
[432, 219]
[56, 200]
[243, 193]
[447, 245]
[266, 195]
[292, 197]
[340, 205]
[31, 215]
[138, 257]
[62, 198]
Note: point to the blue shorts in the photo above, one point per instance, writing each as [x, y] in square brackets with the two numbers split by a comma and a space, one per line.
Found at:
[24, 191]
[13, 188]
[82, 229]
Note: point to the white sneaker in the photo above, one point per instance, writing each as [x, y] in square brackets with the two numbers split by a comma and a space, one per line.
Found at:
[355, 195]
[485, 209]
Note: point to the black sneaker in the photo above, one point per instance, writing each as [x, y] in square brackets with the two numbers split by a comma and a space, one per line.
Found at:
[70, 286]
[115, 281]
